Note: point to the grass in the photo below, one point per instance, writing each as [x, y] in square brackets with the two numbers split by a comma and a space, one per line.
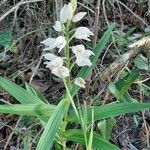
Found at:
[85, 123]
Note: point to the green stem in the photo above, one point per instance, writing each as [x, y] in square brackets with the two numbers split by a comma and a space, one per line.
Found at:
[71, 100]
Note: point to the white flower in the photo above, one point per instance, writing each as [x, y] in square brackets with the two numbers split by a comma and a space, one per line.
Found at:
[61, 72]
[52, 43]
[66, 13]
[60, 42]
[49, 56]
[55, 64]
[49, 43]
[57, 26]
[80, 82]
[83, 62]
[83, 33]
[82, 55]
[78, 16]
[54, 61]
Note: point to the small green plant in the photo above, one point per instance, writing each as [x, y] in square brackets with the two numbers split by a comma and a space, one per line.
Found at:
[55, 118]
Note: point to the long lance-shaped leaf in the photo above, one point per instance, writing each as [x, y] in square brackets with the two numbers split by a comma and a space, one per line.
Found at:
[85, 71]
[99, 143]
[28, 109]
[47, 138]
[22, 95]
[36, 92]
[111, 110]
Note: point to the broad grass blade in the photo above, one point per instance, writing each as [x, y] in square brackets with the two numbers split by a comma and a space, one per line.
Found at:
[111, 110]
[36, 92]
[51, 128]
[99, 143]
[28, 109]
[19, 93]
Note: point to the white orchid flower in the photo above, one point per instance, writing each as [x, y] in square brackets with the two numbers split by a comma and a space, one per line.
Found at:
[52, 43]
[82, 55]
[57, 26]
[83, 33]
[80, 82]
[54, 61]
[49, 56]
[83, 62]
[66, 13]
[78, 16]
[49, 43]
[57, 62]
[60, 42]
[61, 72]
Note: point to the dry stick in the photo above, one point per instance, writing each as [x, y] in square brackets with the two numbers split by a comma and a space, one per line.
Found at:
[135, 49]
[144, 121]
[16, 6]
[97, 11]
[132, 12]
[9, 138]
[36, 68]
[104, 12]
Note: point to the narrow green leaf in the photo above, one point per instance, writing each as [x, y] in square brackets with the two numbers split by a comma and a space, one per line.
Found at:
[22, 95]
[133, 75]
[115, 89]
[5, 39]
[85, 71]
[99, 143]
[119, 88]
[48, 135]
[28, 109]
[141, 62]
[111, 110]
[36, 92]
[106, 126]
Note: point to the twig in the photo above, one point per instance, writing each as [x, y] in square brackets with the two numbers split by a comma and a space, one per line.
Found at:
[97, 11]
[135, 49]
[9, 138]
[132, 12]
[144, 122]
[35, 70]
[16, 7]
[104, 12]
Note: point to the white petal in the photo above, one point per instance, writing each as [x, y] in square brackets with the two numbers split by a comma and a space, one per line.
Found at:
[80, 82]
[57, 62]
[78, 16]
[61, 72]
[49, 42]
[57, 26]
[60, 42]
[66, 13]
[49, 56]
[70, 11]
[78, 50]
[83, 61]
[63, 17]
[83, 33]
[88, 53]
